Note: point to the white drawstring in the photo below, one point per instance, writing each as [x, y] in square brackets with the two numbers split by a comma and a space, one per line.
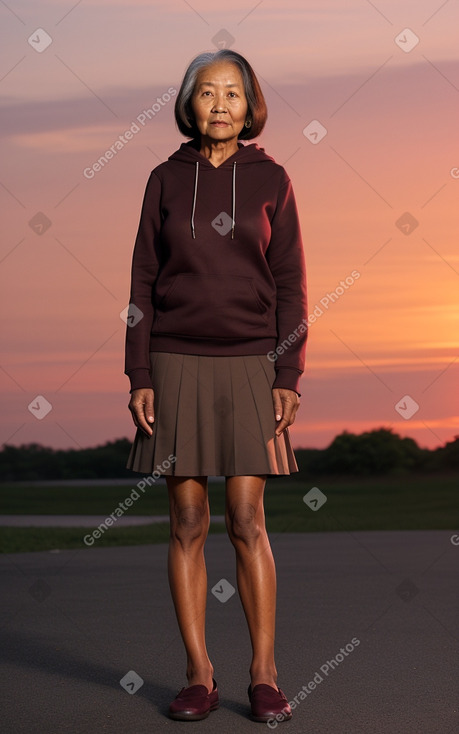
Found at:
[195, 193]
[194, 199]
[234, 200]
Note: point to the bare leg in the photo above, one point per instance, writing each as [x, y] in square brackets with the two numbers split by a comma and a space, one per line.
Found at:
[189, 525]
[256, 571]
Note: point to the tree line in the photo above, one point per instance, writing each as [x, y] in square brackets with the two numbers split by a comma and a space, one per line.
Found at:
[373, 453]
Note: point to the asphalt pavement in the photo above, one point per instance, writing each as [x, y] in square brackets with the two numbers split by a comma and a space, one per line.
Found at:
[366, 637]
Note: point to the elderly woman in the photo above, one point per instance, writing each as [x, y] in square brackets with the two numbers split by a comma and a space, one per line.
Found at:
[215, 348]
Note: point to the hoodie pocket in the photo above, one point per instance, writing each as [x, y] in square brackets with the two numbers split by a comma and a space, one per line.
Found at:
[212, 306]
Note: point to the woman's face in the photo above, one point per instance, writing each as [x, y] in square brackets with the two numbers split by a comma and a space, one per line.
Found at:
[219, 95]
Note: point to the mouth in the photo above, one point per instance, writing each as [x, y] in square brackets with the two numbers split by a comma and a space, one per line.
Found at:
[219, 123]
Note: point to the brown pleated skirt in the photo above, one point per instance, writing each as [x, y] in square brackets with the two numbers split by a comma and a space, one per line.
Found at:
[214, 416]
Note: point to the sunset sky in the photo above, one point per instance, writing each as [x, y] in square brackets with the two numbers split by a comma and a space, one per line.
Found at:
[381, 77]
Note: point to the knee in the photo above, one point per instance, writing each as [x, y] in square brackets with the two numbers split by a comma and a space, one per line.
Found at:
[190, 524]
[243, 524]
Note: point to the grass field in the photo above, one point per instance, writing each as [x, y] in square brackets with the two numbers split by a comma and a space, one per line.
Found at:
[409, 503]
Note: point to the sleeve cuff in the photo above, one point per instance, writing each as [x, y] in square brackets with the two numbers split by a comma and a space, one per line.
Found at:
[288, 378]
[140, 377]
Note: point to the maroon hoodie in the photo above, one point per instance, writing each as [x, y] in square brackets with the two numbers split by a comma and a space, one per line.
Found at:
[218, 265]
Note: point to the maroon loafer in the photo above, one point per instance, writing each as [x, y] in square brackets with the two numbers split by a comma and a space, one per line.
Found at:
[194, 703]
[267, 703]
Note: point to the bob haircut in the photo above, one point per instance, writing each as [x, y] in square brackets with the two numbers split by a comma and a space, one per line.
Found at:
[257, 111]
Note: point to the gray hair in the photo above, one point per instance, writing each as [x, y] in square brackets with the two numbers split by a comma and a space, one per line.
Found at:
[257, 111]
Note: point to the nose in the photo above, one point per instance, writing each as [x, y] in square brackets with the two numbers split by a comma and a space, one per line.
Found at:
[219, 104]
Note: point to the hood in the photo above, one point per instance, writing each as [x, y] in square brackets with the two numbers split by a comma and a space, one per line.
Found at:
[246, 155]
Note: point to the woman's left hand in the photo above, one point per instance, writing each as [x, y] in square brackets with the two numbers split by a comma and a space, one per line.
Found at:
[286, 403]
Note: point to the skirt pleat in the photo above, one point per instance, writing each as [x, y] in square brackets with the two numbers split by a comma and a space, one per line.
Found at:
[214, 416]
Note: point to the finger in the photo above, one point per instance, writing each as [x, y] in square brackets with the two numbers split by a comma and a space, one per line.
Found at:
[139, 412]
[281, 426]
[149, 407]
[141, 407]
[288, 416]
[277, 404]
[287, 420]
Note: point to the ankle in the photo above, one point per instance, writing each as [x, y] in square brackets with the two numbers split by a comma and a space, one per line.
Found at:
[266, 674]
[200, 675]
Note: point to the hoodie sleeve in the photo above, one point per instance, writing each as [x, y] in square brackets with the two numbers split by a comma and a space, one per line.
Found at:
[285, 257]
[145, 265]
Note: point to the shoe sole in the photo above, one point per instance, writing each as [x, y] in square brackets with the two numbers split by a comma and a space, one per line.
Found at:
[265, 719]
[182, 716]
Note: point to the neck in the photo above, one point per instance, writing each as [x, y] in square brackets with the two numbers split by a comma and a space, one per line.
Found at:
[218, 151]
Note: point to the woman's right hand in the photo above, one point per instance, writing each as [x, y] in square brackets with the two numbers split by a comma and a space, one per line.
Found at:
[141, 407]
